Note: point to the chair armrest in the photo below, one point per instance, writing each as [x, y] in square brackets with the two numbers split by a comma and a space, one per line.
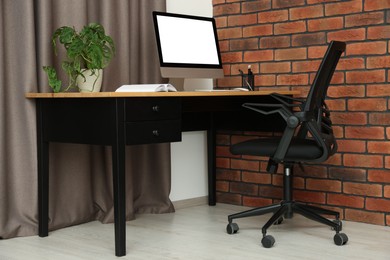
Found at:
[280, 109]
[283, 99]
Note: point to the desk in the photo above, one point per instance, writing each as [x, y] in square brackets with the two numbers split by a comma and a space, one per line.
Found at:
[138, 118]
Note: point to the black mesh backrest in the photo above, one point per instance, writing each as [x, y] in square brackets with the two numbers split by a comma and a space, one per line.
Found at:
[317, 93]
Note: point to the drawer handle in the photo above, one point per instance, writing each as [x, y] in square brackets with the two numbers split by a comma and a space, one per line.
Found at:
[156, 133]
[156, 108]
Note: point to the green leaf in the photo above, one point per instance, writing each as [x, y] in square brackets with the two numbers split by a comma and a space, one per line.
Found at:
[54, 82]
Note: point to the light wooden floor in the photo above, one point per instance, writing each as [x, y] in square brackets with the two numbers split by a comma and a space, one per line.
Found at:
[199, 233]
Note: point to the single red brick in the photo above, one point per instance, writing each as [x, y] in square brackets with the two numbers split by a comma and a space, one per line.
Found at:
[239, 20]
[348, 35]
[290, 27]
[364, 216]
[257, 30]
[359, 160]
[274, 42]
[245, 165]
[325, 24]
[386, 194]
[364, 19]
[291, 54]
[345, 200]
[365, 189]
[306, 66]
[255, 6]
[350, 64]
[378, 32]
[382, 147]
[379, 176]
[283, 3]
[356, 146]
[292, 79]
[379, 118]
[306, 12]
[256, 177]
[229, 82]
[316, 51]
[370, 76]
[343, 8]
[244, 188]
[224, 9]
[349, 118]
[260, 55]
[381, 205]
[378, 90]
[316, 171]
[370, 5]
[378, 62]
[308, 39]
[347, 174]
[221, 22]
[368, 104]
[224, 45]
[275, 67]
[346, 91]
[244, 44]
[366, 48]
[229, 33]
[222, 186]
[228, 175]
[265, 80]
[223, 163]
[369, 132]
[323, 185]
[336, 104]
[256, 201]
[273, 16]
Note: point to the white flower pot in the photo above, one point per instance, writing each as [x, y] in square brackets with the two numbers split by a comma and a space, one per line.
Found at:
[92, 81]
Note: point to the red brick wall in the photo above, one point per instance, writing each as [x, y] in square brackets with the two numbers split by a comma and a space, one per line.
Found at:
[284, 42]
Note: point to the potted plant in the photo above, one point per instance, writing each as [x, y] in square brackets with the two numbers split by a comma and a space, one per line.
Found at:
[88, 52]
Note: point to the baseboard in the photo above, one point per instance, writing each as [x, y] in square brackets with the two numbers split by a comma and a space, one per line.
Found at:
[180, 204]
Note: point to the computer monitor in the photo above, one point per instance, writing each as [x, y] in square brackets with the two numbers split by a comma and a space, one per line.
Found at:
[187, 46]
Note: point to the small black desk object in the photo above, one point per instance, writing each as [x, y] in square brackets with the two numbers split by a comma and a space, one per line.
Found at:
[137, 118]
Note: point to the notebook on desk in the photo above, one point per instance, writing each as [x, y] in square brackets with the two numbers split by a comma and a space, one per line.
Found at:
[146, 88]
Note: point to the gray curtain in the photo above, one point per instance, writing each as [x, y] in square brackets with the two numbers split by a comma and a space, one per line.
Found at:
[80, 175]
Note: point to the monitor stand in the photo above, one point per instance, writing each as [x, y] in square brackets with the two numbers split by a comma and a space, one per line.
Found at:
[191, 84]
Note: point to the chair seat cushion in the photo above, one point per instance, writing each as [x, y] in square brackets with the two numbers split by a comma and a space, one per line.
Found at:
[299, 149]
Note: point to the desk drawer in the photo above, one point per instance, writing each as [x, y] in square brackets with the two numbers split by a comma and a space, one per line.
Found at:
[144, 109]
[150, 132]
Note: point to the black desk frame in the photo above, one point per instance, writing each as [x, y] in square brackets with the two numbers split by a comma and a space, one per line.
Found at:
[70, 118]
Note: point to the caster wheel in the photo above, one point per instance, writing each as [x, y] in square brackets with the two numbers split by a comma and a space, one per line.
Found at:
[279, 221]
[232, 228]
[340, 239]
[268, 241]
[337, 221]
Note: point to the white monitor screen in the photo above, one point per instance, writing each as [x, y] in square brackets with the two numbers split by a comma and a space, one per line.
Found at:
[186, 41]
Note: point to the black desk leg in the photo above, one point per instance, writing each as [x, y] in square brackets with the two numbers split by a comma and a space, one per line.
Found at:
[118, 165]
[211, 158]
[43, 175]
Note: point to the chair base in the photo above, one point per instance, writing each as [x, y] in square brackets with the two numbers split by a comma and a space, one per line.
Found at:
[286, 209]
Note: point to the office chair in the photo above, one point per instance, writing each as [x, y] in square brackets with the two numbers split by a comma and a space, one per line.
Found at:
[308, 137]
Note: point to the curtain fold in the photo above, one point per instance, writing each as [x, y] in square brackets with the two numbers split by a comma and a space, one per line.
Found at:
[80, 175]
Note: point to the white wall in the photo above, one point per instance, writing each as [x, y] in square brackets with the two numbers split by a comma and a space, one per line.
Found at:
[189, 157]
